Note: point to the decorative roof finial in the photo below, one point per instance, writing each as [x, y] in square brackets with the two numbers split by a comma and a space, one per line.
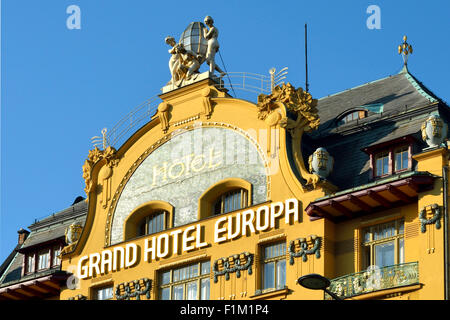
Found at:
[405, 49]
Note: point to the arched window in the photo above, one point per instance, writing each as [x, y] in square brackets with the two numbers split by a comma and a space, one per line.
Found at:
[230, 201]
[148, 218]
[225, 196]
[153, 223]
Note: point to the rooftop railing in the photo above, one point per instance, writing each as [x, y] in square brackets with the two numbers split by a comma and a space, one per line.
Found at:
[250, 82]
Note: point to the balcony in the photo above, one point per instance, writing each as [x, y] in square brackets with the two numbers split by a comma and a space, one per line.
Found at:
[375, 279]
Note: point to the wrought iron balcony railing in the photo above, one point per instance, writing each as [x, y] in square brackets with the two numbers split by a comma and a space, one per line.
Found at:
[375, 279]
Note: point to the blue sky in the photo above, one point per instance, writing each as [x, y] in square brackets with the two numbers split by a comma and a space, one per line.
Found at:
[60, 87]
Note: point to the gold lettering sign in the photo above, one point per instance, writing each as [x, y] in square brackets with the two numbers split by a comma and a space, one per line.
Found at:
[180, 168]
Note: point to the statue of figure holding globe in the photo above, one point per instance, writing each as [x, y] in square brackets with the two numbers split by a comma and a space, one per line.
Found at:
[197, 44]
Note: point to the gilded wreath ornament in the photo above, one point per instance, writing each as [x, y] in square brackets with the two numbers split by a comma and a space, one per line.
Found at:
[305, 248]
[435, 219]
[237, 267]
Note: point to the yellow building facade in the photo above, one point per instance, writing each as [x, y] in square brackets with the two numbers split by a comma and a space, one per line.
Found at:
[219, 198]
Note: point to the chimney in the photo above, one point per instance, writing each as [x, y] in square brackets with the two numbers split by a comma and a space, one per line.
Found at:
[23, 234]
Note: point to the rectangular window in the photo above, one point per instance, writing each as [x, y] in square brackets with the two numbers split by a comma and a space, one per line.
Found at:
[104, 293]
[402, 159]
[392, 161]
[384, 244]
[274, 266]
[43, 259]
[189, 282]
[29, 263]
[56, 260]
[382, 164]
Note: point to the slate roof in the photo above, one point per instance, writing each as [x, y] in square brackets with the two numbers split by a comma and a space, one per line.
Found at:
[54, 226]
[43, 231]
[397, 106]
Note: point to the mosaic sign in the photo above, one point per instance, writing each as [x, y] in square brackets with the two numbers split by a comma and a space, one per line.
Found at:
[180, 171]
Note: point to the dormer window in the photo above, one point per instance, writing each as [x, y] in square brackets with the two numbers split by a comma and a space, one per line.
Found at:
[354, 115]
[43, 259]
[391, 157]
[391, 161]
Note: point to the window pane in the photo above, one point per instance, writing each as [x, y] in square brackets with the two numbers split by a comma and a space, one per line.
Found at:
[281, 274]
[385, 165]
[193, 271]
[269, 275]
[165, 294]
[401, 251]
[398, 161]
[367, 236]
[165, 277]
[401, 227]
[43, 260]
[384, 254]
[176, 275]
[177, 292]
[30, 263]
[405, 160]
[192, 291]
[204, 294]
[379, 167]
[105, 293]
[205, 267]
[56, 259]
[275, 250]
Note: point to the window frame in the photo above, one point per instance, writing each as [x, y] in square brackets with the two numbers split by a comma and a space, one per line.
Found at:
[369, 259]
[95, 290]
[145, 222]
[276, 260]
[209, 197]
[222, 200]
[198, 279]
[357, 114]
[30, 267]
[392, 165]
[135, 218]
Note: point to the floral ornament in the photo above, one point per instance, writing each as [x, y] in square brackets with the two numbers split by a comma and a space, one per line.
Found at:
[238, 266]
[137, 290]
[302, 116]
[304, 251]
[436, 219]
[94, 156]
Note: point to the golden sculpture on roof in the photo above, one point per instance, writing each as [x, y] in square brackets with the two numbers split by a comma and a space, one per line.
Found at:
[305, 118]
[405, 49]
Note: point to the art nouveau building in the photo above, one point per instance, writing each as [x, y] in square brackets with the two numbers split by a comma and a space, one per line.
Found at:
[219, 198]
[214, 197]
[33, 269]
